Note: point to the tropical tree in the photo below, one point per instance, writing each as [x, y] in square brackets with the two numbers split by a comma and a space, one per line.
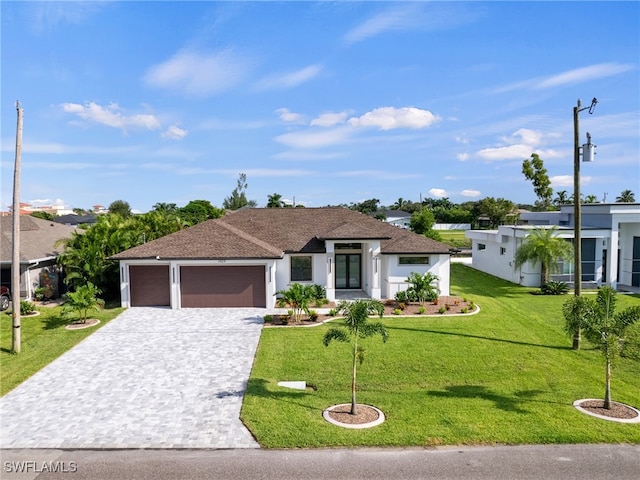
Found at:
[357, 327]
[80, 302]
[606, 330]
[626, 196]
[422, 286]
[238, 197]
[197, 211]
[591, 199]
[275, 201]
[165, 207]
[562, 198]
[544, 246]
[366, 206]
[496, 210]
[298, 297]
[533, 170]
[120, 207]
[400, 204]
[575, 312]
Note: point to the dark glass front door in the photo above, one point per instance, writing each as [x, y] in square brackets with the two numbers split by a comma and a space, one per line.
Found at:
[348, 270]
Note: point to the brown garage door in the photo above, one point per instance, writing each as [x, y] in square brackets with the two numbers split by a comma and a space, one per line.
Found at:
[149, 285]
[238, 286]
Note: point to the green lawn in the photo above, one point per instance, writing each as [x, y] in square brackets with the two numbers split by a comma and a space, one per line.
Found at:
[455, 238]
[504, 376]
[44, 339]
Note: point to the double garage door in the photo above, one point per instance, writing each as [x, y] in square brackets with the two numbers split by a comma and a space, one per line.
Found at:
[220, 286]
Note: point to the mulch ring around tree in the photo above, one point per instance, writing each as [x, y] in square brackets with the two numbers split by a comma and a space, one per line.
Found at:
[445, 305]
[89, 322]
[366, 416]
[618, 412]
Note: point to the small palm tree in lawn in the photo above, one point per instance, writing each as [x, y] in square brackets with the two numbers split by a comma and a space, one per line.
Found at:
[83, 300]
[422, 286]
[575, 311]
[606, 329]
[544, 246]
[357, 327]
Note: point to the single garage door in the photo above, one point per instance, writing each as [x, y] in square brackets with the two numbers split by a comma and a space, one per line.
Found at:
[224, 286]
[149, 285]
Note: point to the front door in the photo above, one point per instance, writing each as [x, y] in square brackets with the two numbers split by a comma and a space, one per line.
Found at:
[348, 270]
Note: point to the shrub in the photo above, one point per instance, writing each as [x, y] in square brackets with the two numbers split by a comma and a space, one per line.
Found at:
[421, 310]
[442, 310]
[464, 310]
[397, 311]
[320, 302]
[422, 288]
[313, 315]
[268, 319]
[554, 288]
[402, 296]
[38, 294]
[82, 300]
[333, 312]
[26, 307]
[402, 306]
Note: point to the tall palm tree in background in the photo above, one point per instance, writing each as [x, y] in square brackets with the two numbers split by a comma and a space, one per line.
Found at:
[591, 199]
[543, 245]
[626, 196]
[400, 204]
[562, 198]
[275, 201]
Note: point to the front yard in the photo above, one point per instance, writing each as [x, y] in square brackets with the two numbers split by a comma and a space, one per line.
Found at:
[504, 376]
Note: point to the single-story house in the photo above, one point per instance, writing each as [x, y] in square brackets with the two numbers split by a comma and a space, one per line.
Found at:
[398, 218]
[610, 236]
[245, 257]
[38, 254]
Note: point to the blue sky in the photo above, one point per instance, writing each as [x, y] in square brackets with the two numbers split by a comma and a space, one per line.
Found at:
[324, 102]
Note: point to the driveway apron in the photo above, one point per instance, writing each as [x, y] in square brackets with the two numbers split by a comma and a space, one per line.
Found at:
[151, 378]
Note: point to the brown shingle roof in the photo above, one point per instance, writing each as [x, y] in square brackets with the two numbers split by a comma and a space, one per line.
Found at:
[271, 232]
[37, 238]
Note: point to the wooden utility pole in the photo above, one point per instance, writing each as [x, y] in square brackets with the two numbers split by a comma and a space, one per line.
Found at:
[15, 243]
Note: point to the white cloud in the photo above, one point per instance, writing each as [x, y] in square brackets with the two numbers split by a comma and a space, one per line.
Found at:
[289, 80]
[389, 118]
[463, 157]
[471, 193]
[438, 192]
[290, 117]
[524, 135]
[567, 180]
[506, 153]
[111, 116]
[174, 133]
[520, 145]
[199, 74]
[329, 119]
[314, 139]
[42, 202]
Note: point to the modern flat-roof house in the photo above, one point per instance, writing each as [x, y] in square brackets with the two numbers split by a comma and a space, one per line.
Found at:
[38, 254]
[610, 246]
[245, 257]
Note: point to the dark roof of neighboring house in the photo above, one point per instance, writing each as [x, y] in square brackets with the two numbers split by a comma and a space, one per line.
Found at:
[72, 219]
[37, 238]
[272, 232]
[392, 213]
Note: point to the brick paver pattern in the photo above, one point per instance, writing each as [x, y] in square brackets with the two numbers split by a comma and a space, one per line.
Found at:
[151, 378]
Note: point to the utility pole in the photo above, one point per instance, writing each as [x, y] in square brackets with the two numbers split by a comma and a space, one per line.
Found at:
[577, 221]
[15, 243]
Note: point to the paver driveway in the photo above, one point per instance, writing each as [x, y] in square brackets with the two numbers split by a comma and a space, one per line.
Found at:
[151, 378]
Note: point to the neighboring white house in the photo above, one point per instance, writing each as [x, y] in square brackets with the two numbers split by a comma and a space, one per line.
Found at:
[245, 257]
[610, 246]
[398, 218]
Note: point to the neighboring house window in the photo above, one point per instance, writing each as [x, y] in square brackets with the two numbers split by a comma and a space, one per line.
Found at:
[481, 246]
[301, 269]
[413, 260]
[503, 250]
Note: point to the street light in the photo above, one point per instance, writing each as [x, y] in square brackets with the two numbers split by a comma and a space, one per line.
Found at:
[588, 152]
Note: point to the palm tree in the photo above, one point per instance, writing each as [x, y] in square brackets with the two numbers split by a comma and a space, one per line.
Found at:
[605, 329]
[298, 297]
[626, 196]
[274, 201]
[544, 246]
[357, 326]
[562, 198]
[400, 204]
[575, 311]
[85, 298]
[591, 199]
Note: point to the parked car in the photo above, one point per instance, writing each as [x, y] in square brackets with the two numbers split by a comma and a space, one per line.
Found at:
[5, 298]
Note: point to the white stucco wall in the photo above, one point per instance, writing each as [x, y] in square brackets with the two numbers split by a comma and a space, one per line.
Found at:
[394, 275]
